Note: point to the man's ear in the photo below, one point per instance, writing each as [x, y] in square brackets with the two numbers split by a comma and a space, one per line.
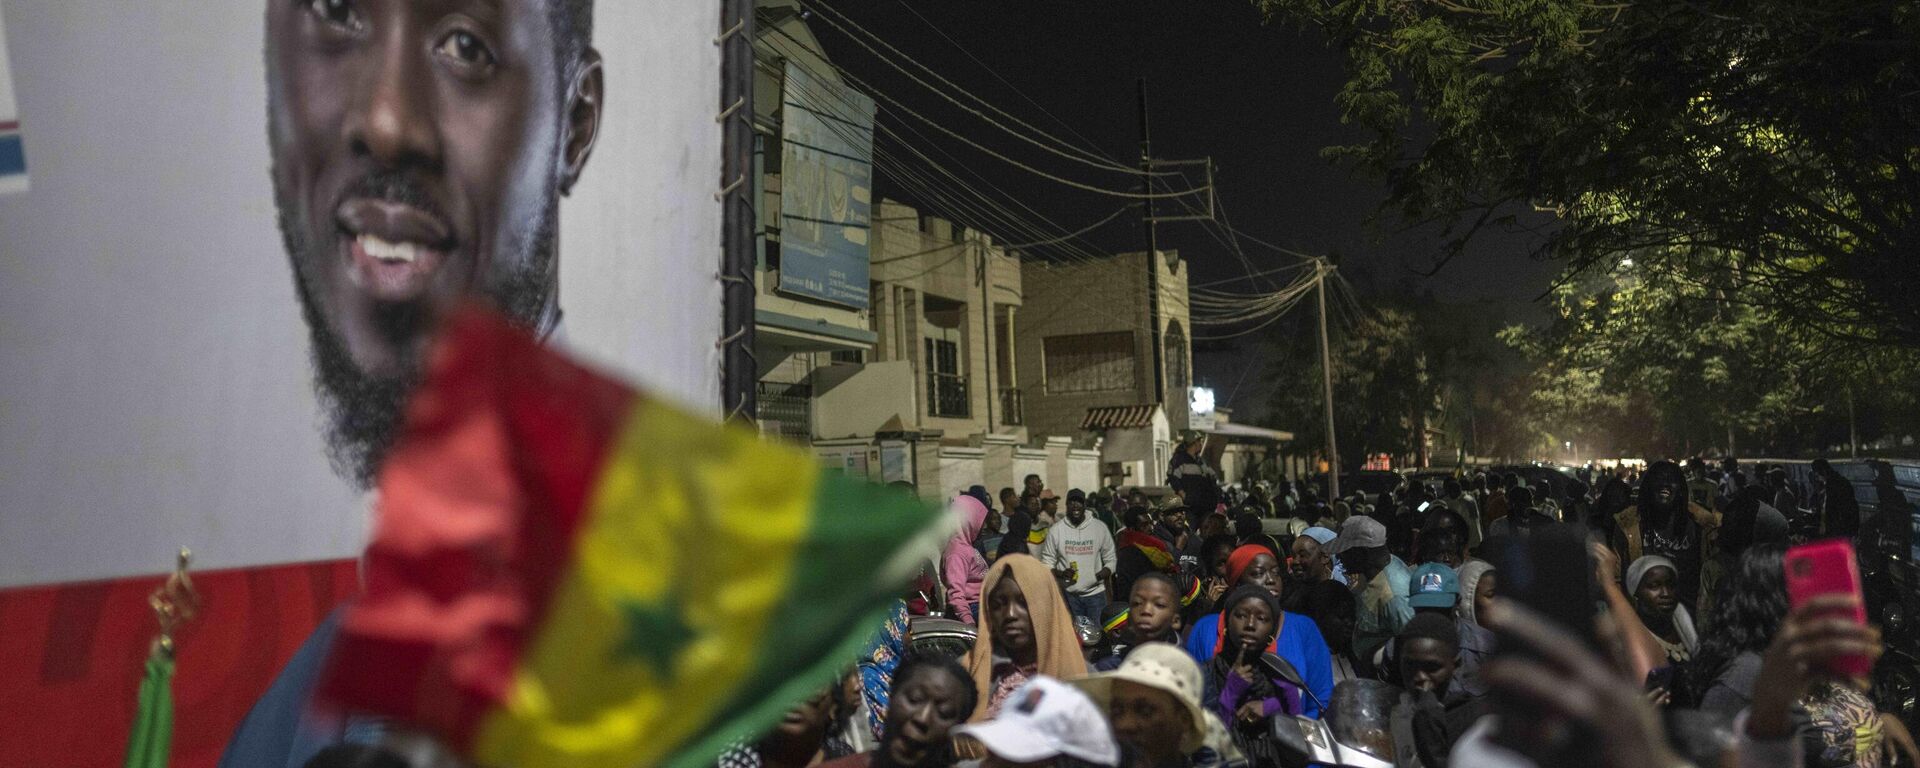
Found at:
[586, 102]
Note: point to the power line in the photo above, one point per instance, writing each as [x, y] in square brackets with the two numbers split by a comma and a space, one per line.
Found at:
[1003, 81]
[1078, 155]
[981, 147]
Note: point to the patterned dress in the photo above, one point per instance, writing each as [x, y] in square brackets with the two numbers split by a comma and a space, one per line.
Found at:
[1844, 731]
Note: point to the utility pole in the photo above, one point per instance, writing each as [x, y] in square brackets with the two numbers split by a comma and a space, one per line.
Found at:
[1326, 376]
[1153, 255]
[1853, 429]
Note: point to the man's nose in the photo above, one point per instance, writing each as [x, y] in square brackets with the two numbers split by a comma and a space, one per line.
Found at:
[392, 117]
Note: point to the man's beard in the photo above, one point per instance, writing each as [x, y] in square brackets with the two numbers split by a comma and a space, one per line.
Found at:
[362, 412]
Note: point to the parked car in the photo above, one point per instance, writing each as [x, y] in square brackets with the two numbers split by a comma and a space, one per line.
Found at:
[1531, 475]
[1372, 482]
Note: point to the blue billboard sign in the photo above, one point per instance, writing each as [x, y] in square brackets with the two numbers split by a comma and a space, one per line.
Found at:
[826, 190]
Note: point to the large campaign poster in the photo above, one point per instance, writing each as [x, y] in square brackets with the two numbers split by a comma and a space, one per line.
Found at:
[205, 297]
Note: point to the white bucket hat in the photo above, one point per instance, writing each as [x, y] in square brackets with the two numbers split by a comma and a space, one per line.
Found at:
[1163, 667]
[1045, 719]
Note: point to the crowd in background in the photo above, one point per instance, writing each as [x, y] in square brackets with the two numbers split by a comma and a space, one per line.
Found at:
[1199, 625]
[1129, 629]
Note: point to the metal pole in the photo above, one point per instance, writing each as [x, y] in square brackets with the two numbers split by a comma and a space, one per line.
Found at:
[988, 342]
[1153, 254]
[738, 370]
[1326, 376]
[1853, 430]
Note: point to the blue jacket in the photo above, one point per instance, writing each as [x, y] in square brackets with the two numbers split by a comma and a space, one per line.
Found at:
[281, 730]
[1299, 643]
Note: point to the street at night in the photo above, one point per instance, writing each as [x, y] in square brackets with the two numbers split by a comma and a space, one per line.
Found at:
[795, 383]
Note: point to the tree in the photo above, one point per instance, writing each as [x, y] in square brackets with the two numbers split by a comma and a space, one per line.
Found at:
[1645, 363]
[1770, 143]
[1377, 375]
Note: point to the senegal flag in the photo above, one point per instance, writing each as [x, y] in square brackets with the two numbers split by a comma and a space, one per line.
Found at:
[567, 572]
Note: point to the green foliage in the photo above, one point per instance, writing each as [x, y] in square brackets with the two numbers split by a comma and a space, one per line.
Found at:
[1640, 362]
[1767, 142]
[1411, 369]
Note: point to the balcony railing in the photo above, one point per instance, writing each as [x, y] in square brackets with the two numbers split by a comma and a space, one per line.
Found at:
[1013, 412]
[947, 396]
[787, 404]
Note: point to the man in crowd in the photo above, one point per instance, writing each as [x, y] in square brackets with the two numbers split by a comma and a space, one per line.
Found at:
[1189, 474]
[1030, 489]
[414, 164]
[1378, 580]
[1082, 555]
[1435, 590]
[1463, 504]
[1153, 703]
[1496, 506]
[1839, 510]
[1427, 660]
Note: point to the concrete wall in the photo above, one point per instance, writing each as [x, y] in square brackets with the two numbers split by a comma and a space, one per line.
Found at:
[1083, 469]
[1145, 450]
[1094, 297]
[852, 400]
[1030, 461]
[959, 470]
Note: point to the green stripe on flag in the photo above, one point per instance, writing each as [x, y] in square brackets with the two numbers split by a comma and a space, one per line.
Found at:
[837, 598]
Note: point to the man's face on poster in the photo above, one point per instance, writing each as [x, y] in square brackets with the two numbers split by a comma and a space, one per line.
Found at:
[420, 148]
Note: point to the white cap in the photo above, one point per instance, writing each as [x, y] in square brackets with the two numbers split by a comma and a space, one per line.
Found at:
[1045, 719]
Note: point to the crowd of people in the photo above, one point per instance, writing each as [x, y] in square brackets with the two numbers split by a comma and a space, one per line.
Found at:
[1119, 629]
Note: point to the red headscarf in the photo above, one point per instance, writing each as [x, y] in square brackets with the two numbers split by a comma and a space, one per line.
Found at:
[1237, 564]
[1241, 558]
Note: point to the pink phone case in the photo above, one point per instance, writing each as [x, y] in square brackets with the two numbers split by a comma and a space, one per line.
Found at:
[1823, 568]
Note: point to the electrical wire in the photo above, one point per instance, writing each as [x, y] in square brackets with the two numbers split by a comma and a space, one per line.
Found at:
[1091, 144]
[1077, 155]
[936, 125]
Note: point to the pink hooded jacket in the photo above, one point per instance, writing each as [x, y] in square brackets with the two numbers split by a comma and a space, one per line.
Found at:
[962, 568]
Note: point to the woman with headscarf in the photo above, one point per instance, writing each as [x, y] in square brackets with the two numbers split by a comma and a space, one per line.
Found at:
[962, 568]
[1650, 581]
[1246, 685]
[1024, 631]
[1296, 638]
[1316, 588]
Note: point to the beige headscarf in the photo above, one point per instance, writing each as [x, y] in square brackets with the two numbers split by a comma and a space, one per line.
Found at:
[1056, 645]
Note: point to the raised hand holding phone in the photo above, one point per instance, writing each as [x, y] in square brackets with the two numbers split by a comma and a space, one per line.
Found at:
[1829, 568]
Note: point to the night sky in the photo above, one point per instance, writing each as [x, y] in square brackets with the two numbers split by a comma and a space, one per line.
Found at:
[1258, 98]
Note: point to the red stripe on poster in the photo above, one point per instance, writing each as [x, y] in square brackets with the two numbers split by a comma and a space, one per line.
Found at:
[74, 655]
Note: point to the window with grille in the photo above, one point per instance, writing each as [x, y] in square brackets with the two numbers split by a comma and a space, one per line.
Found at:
[1089, 362]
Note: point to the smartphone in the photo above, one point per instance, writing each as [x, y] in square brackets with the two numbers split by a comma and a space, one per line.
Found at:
[1827, 568]
[1548, 571]
[1660, 678]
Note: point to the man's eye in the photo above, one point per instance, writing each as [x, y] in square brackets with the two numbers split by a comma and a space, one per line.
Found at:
[465, 48]
[337, 13]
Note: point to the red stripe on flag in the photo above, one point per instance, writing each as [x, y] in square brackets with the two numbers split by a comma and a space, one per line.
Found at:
[479, 503]
[74, 653]
[9, 125]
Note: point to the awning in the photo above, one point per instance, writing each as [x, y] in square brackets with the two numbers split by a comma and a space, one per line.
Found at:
[1250, 432]
[1119, 417]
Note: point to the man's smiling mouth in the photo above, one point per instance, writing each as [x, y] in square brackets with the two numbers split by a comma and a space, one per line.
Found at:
[393, 250]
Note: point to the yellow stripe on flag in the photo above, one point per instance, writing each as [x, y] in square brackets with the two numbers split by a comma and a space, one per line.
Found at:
[681, 565]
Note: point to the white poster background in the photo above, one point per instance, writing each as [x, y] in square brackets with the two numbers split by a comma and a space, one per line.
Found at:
[11, 180]
[154, 383]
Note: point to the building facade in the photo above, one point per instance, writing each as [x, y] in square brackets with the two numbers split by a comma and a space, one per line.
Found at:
[1088, 341]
